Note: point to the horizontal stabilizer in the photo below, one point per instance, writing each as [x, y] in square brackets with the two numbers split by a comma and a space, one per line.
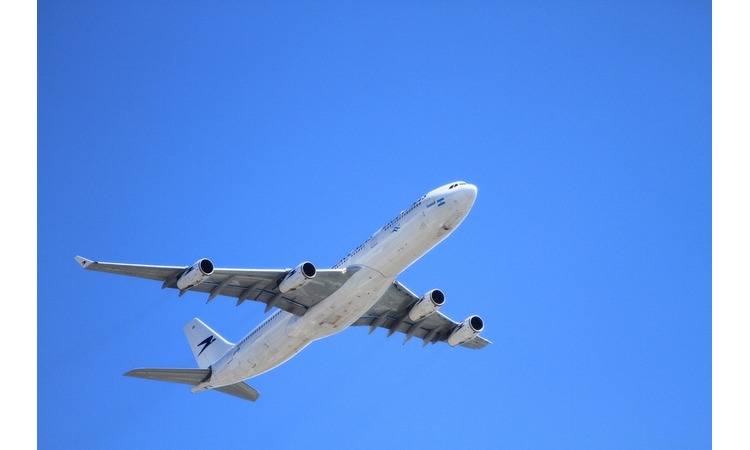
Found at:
[184, 376]
[241, 390]
[195, 377]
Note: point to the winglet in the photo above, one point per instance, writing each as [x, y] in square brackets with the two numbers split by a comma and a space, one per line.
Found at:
[85, 263]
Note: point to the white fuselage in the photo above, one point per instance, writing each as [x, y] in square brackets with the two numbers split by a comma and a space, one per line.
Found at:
[380, 258]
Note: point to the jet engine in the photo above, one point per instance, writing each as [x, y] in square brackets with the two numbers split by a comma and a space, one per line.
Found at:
[466, 331]
[195, 274]
[428, 304]
[297, 277]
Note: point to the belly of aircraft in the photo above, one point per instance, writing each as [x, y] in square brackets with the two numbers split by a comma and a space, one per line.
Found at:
[344, 306]
[289, 337]
[259, 356]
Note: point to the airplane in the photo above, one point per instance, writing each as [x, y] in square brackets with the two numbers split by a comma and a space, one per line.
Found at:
[360, 290]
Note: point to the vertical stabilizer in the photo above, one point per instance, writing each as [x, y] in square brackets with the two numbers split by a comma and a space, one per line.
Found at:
[207, 345]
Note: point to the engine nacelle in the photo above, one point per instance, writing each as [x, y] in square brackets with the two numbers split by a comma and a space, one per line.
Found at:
[195, 274]
[428, 304]
[466, 331]
[297, 277]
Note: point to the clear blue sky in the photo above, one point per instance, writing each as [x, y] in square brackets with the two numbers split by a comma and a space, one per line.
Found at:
[262, 134]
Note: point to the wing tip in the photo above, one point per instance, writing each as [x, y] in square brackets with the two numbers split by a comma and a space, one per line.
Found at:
[84, 262]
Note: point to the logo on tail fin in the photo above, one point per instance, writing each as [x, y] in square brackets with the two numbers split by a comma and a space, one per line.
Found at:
[205, 343]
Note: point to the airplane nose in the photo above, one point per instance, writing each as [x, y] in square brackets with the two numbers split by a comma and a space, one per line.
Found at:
[461, 198]
[469, 194]
[472, 190]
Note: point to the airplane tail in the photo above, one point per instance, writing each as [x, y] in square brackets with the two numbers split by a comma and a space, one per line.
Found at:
[195, 377]
[206, 344]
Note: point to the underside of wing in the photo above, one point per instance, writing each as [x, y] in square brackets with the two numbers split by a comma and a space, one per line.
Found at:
[392, 313]
[261, 285]
[160, 273]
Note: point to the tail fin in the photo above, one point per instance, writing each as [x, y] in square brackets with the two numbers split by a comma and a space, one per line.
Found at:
[207, 345]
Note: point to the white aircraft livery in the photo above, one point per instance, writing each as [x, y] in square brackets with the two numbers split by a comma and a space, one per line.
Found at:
[312, 303]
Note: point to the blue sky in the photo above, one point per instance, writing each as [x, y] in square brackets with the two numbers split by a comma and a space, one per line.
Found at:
[263, 134]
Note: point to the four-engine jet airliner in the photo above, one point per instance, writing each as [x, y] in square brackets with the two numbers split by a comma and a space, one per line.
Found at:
[361, 289]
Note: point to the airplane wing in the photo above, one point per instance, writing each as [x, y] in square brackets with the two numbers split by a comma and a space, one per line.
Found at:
[261, 285]
[392, 312]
